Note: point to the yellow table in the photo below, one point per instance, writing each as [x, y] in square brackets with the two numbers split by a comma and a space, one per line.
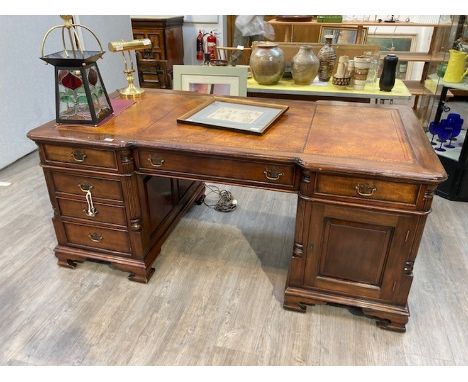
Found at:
[327, 89]
[433, 81]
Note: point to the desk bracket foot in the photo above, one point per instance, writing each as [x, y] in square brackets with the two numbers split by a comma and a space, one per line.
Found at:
[388, 321]
[297, 304]
[67, 263]
[143, 277]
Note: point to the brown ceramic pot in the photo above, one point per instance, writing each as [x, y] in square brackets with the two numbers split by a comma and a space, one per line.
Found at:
[305, 66]
[267, 63]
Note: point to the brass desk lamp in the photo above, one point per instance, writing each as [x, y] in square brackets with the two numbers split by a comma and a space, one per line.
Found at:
[131, 91]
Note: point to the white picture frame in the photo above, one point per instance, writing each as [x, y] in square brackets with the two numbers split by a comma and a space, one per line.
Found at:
[215, 80]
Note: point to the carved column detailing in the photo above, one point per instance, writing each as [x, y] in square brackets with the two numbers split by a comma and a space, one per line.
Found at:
[131, 197]
[408, 268]
[306, 176]
[299, 229]
[307, 183]
[135, 224]
[298, 251]
[134, 216]
[56, 211]
[126, 161]
[428, 196]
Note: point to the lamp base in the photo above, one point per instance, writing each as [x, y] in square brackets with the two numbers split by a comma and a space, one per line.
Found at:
[131, 91]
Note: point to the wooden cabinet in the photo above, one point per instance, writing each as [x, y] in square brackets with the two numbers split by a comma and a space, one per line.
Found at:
[104, 211]
[167, 46]
[357, 248]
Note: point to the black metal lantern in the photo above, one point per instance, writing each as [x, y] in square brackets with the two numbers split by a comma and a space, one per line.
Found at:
[80, 94]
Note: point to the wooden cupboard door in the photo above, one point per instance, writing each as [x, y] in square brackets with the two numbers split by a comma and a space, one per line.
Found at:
[156, 52]
[358, 252]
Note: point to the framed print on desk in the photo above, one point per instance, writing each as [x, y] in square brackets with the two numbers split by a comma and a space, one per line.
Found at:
[216, 80]
[241, 115]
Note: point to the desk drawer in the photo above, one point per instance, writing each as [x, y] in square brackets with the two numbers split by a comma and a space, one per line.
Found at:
[77, 185]
[80, 156]
[366, 188]
[97, 237]
[103, 213]
[219, 168]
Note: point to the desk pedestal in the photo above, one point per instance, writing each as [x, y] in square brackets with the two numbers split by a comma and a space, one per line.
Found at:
[356, 249]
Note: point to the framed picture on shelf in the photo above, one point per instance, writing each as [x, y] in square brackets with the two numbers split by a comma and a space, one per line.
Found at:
[216, 80]
[394, 43]
[241, 115]
[342, 35]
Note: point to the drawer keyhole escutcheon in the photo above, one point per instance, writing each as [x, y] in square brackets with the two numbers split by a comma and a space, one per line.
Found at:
[273, 174]
[365, 190]
[90, 210]
[155, 162]
[78, 156]
[96, 237]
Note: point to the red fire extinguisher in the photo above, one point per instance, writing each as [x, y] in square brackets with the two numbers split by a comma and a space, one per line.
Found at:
[211, 45]
[200, 46]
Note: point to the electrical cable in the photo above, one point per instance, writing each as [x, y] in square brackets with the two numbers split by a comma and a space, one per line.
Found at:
[226, 201]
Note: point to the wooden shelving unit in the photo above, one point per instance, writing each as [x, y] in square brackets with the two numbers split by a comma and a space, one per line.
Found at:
[416, 56]
[309, 31]
[433, 55]
[416, 88]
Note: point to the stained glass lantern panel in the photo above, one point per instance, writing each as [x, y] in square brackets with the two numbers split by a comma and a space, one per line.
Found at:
[81, 95]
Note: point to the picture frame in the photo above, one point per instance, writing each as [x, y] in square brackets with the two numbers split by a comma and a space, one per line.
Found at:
[342, 35]
[234, 114]
[395, 43]
[215, 80]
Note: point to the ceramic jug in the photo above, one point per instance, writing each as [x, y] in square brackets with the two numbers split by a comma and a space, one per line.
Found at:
[455, 71]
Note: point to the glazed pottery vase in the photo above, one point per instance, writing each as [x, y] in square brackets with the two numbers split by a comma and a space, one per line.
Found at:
[387, 78]
[267, 63]
[327, 58]
[305, 65]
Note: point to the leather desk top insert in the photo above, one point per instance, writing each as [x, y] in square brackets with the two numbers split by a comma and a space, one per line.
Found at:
[363, 172]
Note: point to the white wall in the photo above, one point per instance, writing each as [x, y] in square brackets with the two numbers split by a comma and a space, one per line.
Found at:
[109, 28]
[27, 97]
[26, 84]
[205, 23]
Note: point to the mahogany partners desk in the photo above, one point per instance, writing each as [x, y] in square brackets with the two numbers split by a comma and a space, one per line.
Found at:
[365, 178]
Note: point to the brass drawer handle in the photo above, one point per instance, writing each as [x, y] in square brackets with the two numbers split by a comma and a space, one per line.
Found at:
[85, 187]
[155, 162]
[96, 237]
[78, 156]
[273, 174]
[365, 190]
